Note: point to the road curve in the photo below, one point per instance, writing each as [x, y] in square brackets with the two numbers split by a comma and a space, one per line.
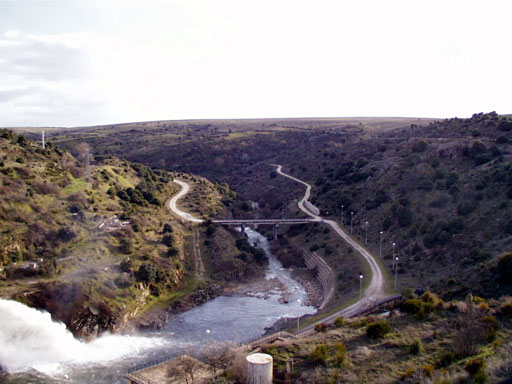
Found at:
[172, 202]
[376, 288]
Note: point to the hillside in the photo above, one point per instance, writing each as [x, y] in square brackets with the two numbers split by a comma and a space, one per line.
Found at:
[95, 246]
[429, 342]
[439, 189]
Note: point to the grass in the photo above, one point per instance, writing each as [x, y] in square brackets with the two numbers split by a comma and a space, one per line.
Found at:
[76, 186]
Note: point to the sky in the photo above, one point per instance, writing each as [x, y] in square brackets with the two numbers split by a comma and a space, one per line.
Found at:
[76, 62]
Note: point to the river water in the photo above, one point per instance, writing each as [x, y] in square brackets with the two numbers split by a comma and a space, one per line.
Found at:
[38, 350]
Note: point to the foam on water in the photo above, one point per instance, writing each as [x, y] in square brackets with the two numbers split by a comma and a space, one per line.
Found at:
[31, 339]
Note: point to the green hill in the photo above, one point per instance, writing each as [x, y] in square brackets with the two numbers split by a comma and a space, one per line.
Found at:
[98, 246]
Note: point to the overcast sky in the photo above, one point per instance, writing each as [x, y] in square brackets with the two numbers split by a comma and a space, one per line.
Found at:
[77, 62]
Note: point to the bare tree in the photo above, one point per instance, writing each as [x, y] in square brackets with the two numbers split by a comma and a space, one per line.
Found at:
[218, 355]
[177, 373]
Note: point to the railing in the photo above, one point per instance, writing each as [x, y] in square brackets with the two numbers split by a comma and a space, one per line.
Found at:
[265, 221]
[347, 313]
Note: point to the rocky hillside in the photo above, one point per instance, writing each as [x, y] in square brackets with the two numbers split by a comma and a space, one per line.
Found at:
[93, 244]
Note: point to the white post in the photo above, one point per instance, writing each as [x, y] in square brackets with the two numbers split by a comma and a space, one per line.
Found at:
[208, 335]
[393, 256]
[342, 214]
[351, 221]
[366, 235]
[396, 273]
[380, 247]
[360, 287]
[298, 315]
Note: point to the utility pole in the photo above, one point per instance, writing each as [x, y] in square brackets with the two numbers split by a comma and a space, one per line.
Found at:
[88, 166]
[380, 246]
[351, 221]
[393, 256]
[396, 273]
[360, 287]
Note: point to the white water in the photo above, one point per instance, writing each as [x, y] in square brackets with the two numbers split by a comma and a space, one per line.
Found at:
[30, 339]
[46, 352]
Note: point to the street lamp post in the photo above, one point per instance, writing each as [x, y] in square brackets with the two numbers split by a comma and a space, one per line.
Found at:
[366, 232]
[360, 287]
[298, 314]
[393, 256]
[351, 221]
[380, 247]
[208, 335]
[396, 273]
[342, 214]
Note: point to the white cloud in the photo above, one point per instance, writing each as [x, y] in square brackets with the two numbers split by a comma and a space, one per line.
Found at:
[122, 60]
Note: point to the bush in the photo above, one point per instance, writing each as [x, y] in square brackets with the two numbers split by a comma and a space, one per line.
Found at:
[320, 327]
[416, 347]
[340, 356]
[417, 307]
[339, 322]
[475, 366]
[506, 310]
[319, 355]
[378, 329]
[428, 371]
[172, 251]
[167, 228]
[419, 146]
[168, 240]
[126, 245]
[146, 273]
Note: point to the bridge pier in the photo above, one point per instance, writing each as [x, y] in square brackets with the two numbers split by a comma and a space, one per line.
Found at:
[276, 230]
[242, 230]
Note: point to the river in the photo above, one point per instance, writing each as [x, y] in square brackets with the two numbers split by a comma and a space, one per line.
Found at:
[38, 350]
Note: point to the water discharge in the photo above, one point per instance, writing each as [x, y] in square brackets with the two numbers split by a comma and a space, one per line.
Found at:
[39, 350]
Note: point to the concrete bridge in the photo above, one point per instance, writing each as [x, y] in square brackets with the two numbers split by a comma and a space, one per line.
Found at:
[242, 223]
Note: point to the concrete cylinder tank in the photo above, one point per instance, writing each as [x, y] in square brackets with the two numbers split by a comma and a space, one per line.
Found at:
[259, 368]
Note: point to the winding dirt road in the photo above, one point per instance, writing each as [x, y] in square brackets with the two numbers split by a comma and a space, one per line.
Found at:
[172, 202]
[376, 289]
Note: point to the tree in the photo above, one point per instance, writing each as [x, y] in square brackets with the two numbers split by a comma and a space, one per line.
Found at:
[168, 240]
[505, 268]
[146, 273]
[218, 356]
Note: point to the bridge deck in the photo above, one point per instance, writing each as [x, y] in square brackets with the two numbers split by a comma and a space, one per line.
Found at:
[265, 221]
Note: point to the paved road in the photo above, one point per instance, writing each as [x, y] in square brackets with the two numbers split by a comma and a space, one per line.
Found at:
[376, 288]
[172, 203]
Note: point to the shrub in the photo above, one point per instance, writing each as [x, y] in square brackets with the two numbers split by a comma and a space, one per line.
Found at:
[319, 355]
[428, 371]
[446, 360]
[320, 327]
[475, 366]
[419, 146]
[419, 308]
[506, 310]
[416, 347]
[172, 251]
[167, 228]
[146, 273]
[505, 125]
[168, 240]
[340, 356]
[126, 245]
[339, 322]
[378, 329]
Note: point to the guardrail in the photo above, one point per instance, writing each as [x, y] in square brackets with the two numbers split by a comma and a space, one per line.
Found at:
[265, 221]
